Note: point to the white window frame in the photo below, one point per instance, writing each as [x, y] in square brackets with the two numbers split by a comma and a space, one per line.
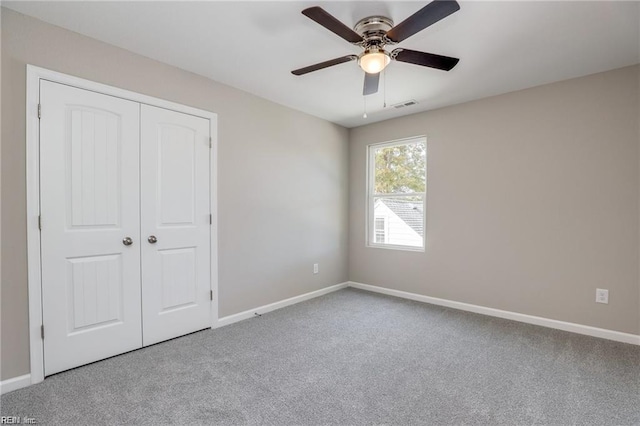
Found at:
[371, 196]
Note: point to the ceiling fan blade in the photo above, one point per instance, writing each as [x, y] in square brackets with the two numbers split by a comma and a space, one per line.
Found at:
[430, 60]
[323, 18]
[324, 64]
[370, 83]
[428, 15]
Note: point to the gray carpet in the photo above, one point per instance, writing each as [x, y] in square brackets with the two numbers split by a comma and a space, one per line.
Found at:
[352, 357]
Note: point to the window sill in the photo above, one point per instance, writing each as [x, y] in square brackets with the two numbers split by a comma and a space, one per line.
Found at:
[394, 247]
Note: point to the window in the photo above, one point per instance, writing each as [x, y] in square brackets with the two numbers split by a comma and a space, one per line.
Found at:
[397, 185]
[380, 229]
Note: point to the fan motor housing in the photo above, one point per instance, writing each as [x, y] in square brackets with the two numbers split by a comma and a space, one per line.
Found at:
[373, 28]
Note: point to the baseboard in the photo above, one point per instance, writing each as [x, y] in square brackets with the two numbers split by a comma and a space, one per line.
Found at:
[634, 339]
[24, 381]
[618, 336]
[230, 319]
[15, 383]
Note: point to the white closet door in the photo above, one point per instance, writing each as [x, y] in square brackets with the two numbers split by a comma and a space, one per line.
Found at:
[89, 166]
[175, 224]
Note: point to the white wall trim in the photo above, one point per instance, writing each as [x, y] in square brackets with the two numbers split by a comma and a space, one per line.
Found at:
[27, 379]
[15, 383]
[34, 75]
[213, 208]
[36, 345]
[587, 330]
[230, 319]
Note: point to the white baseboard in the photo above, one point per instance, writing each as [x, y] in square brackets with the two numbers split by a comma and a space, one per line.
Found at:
[19, 382]
[230, 319]
[24, 381]
[618, 336]
[634, 339]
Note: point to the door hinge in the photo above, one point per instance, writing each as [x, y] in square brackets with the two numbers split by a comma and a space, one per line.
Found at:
[39, 111]
[42, 331]
[40, 223]
[211, 294]
[210, 219]
[210, 142]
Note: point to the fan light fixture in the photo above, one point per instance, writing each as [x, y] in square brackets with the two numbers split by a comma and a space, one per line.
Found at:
[373, 61]
[373, 33]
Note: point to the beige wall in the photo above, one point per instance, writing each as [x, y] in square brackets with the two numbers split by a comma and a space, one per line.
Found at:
[282, 176]
[532, 202]
[532, 196]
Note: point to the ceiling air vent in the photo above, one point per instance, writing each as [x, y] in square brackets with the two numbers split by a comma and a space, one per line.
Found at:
[405, 104]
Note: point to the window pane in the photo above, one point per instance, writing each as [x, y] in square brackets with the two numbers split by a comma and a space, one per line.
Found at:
[400, 169]
[402, 220]
[379, 229]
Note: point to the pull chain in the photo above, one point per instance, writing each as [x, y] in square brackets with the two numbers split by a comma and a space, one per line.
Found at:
[384, 83]
[364, 98]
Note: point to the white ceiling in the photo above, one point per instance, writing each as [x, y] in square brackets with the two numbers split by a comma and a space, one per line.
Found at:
[253, 46]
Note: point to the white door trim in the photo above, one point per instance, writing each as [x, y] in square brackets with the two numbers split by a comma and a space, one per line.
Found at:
[34, 75]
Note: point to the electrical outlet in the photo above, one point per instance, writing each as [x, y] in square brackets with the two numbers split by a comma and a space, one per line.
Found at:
[602, 295]
[315, 268]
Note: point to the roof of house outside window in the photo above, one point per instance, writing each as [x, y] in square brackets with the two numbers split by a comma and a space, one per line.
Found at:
[410, 212]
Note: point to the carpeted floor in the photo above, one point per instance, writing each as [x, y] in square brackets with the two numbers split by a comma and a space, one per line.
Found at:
[352, 357]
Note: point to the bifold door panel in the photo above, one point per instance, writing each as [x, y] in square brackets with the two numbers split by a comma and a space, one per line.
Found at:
[89, 162]
[125, 225]
[175, 225]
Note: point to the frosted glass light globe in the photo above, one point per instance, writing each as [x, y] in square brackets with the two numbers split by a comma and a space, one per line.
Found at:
[374, 61]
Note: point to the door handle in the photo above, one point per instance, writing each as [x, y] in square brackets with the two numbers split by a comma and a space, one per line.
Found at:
[127, 241]
[152, 239]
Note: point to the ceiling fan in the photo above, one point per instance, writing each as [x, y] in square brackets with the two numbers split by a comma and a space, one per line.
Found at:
[375, 32]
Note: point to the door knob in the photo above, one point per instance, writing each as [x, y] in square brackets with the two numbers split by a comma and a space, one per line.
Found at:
[152, 239]
[127, 241]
